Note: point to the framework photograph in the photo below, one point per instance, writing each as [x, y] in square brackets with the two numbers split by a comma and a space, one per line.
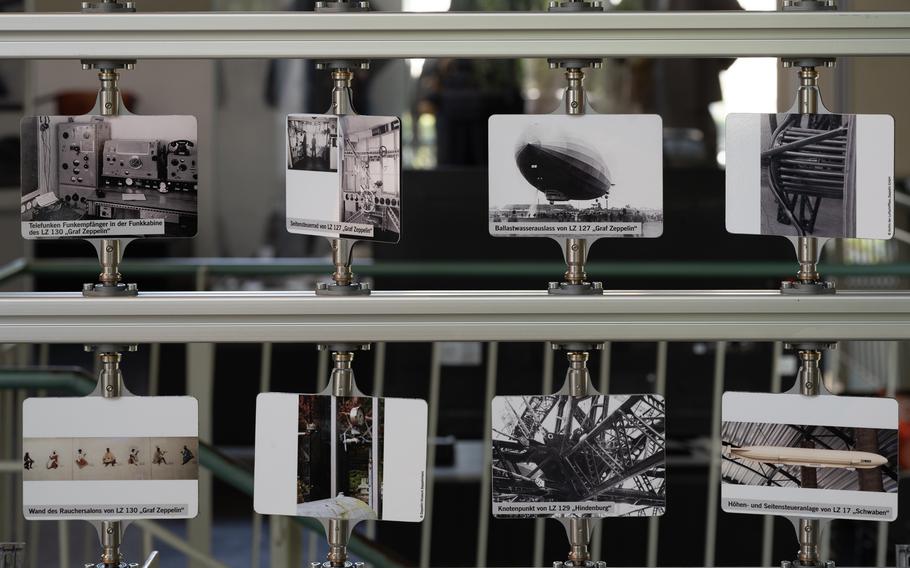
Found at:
[559, 456]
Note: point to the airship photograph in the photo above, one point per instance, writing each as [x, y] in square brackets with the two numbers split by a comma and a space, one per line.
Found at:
[809, 457]
[585, 176]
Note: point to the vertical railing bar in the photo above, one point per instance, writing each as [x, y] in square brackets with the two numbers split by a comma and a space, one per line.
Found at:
[148, 542]
[7, 482]
[64, 554]
[603, 386]
[892, 349]
[322, 380]
[256, 548]
[483, 520]
[767, 539]
[265, 385]
[714, 472]
[426, 530]
[154, 369]
[540, 527]
[34, 543]
[44, 361]
[660, 388]
[379, 357]
[200, 383]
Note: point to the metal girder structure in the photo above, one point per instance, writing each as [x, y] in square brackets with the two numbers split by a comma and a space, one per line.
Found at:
[237, 317]
[238, 35]
[568, 449]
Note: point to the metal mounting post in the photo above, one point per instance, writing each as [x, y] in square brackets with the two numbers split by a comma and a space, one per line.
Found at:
[808, 383]
[578, 383]
[110, 385]
[336, 7]
[808, 250]
[342, 383]
[575, 250]
[110, 103]
[343, 283]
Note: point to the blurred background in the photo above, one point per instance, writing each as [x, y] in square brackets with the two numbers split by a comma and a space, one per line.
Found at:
[444, 106]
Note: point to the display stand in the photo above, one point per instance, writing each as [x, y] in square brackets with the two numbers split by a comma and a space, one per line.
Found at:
[342, 383]
[808, 249]
[578, 384]
[343, 283]
[109, 103]
[110, 385]
[575, 250]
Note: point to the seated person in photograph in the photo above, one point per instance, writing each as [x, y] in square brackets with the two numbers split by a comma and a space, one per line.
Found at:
[108, 458]
[27, 461]
[53, 460]
[187, 455]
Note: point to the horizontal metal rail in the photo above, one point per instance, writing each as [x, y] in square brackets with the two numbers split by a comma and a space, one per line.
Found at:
[276, 267]
[180, 317]
[472, 35]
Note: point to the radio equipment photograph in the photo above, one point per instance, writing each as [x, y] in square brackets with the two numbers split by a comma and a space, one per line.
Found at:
[563, 456]
[100, 176]
[592, 175]
[810, 175]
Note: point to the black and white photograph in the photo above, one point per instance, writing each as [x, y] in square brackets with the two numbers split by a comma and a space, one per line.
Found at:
[810, 175]
[354, 458]
[94, 458]
[815, 462]
[583, 176]
[594, 456]
[313, 143]
[370, 183]
[344, 177]
[109, 176]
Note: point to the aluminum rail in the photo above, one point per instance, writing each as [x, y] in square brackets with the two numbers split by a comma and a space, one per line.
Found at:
[238, 35]
[452, 316]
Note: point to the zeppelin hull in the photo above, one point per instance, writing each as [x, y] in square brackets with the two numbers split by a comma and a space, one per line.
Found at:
[810, 457]
[563, 174]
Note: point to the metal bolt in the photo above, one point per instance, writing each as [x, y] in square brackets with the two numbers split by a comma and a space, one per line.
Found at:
[554, 65]
[109, 529]
[365, 65]
[132, 287]
[88, 287]
[109, 389]
[553, 285]
[322, 286]
[597, 64]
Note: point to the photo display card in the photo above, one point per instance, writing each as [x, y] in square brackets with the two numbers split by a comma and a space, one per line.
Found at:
[831, 457]
[88, 177]
[592, 456]
[590, 176]
[813, 175]
[93, 458]
[344, 176]
[353, 458]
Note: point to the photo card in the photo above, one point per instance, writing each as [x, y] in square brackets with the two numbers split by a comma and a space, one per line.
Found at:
[94, 458]
[812, 175]
[353, 458]
[830, 457]
[589, 176]
[90, 176]
[344, 176]
[590, 456]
